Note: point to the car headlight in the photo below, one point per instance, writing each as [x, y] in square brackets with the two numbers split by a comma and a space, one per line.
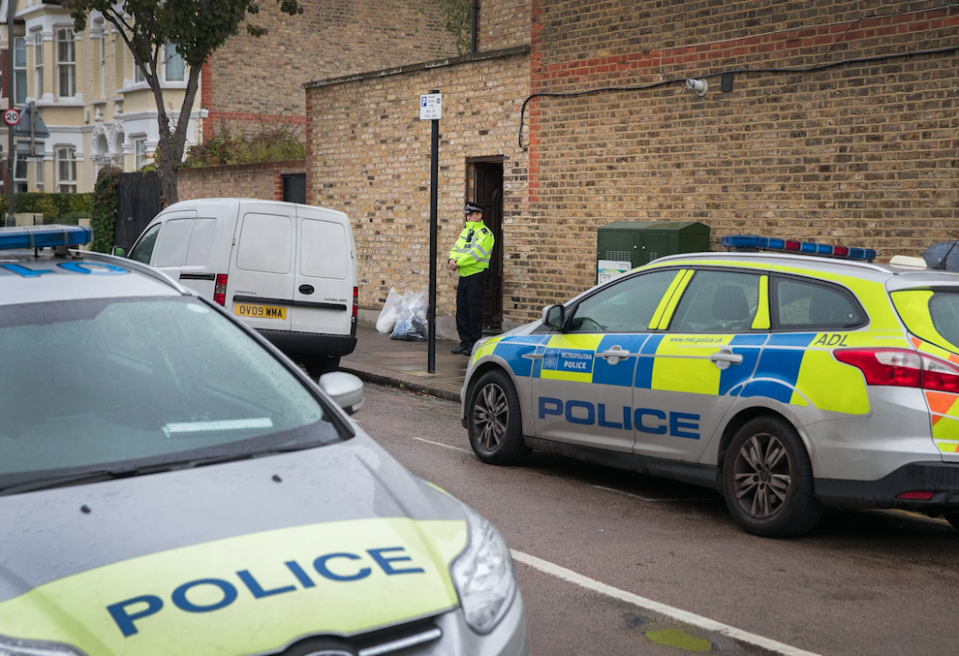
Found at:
[483, 575]
[13, 647]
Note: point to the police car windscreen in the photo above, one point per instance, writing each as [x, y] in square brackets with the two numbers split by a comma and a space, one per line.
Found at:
[102, 381]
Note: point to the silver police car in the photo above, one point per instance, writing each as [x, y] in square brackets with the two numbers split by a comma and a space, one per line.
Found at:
[172, 484]
[786, 380]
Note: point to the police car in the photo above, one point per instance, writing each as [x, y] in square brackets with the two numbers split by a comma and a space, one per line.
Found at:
[172, 484]
[789, 378]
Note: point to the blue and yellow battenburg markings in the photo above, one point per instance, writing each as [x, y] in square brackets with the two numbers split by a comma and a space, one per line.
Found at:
[248, 594]
[31, 270]
[791, 368]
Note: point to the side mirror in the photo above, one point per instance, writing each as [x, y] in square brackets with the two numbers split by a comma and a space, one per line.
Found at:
[119, 251]
[345, 389]
[554, 316]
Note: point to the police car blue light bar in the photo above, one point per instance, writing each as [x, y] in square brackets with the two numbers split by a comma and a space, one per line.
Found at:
[804, 247]
[46, 236]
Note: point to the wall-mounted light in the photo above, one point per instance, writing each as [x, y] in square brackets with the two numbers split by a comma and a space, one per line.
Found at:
[697, 86]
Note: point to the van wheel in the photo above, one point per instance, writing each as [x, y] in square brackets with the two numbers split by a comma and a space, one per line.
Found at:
[952, 518]
[768, 480]
[318, 365]
[494, 424]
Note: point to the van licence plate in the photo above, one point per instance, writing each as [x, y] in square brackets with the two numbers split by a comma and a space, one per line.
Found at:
[259, 311]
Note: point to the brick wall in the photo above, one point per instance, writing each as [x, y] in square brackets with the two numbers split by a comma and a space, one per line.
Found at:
[369, 156]
[503, 24]
[263, 181]
[254, 81]
[861, 153]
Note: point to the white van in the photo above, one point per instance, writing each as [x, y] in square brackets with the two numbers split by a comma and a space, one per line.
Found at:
[287, 270]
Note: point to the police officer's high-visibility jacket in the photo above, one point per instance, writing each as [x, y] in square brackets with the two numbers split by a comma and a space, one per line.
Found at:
[473, 248]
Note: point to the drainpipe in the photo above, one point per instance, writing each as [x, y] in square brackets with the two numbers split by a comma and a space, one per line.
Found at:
[9, 74]
[473, 27]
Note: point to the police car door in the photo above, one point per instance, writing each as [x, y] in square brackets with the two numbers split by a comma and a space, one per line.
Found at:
[582, 392]
[713, 340]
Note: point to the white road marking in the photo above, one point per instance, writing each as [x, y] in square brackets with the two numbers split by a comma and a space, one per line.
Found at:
[656, 607]
[445, 446]
[636, 496]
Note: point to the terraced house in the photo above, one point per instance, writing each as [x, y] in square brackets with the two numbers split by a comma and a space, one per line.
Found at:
[99, 110]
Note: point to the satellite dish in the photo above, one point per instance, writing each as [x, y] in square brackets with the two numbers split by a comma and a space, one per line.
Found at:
[945, 252]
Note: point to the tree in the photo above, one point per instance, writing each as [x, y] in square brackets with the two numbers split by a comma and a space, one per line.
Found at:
[196, 28]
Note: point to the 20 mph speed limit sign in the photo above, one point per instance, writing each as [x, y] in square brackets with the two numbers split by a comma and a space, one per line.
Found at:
[11, 116]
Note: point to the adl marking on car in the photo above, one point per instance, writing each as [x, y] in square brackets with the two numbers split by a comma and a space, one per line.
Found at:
[315, 578]
[645, 420]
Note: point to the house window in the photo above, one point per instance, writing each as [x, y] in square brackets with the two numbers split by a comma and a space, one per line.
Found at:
[103, 65]
[38, 65]
[38, 175]
[66, 170]
[140, 157]
[20, 69]
[174, 67]
[20, 172]
[66, 64]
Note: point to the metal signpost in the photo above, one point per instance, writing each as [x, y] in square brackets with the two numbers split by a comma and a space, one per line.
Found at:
[431, 109]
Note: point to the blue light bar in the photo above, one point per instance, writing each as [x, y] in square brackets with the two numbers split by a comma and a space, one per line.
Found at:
[756, 242]
[46, 236]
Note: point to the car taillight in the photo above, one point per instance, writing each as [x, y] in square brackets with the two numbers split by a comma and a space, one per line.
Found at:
[356, 311]
[219, 291]
[902, 368]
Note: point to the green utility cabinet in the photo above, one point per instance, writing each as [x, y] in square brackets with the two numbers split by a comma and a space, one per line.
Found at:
[625, 245]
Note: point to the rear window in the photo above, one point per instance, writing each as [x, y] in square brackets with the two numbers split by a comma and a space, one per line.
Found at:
[805, 305]
[931, 315]
[266, 243]
[323, 252]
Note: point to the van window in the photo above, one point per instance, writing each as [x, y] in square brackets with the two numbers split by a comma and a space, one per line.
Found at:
[143, 249]
[323, 251]
[266, 243]
[201, 243]
[173, 243]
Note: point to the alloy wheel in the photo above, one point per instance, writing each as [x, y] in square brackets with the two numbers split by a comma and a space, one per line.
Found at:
[762, 475]
[491, 416]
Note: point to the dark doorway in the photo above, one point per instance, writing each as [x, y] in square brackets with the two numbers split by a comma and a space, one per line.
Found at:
[484, 182]
[294, 188]
[138, 201]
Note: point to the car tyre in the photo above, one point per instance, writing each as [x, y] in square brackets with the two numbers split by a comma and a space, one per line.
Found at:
[494, 424]
[768, 480]
[318, 365]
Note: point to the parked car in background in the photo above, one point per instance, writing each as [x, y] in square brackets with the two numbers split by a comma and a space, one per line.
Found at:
[285, 269]
[786, 381]
[170, 483]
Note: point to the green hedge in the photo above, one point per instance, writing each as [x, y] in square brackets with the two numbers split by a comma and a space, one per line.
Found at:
[104, 213]
[55, 208]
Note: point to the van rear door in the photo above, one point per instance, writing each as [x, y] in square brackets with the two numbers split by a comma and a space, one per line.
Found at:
[325, 272]
[260, 285]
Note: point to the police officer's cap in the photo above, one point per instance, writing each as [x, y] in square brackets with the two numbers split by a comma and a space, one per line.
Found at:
[472, 207]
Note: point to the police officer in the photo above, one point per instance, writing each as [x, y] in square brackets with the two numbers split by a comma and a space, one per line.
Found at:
[470, 256]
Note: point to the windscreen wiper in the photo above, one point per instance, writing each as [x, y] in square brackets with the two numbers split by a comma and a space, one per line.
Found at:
[94, 476]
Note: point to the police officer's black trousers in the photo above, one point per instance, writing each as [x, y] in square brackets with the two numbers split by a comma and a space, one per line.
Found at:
[469, 309]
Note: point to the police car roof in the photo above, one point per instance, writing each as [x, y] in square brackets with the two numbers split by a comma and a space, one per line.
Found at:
[868, 270]
[26, 278]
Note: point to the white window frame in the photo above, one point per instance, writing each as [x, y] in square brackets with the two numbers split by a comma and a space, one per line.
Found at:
[140, 155]
[167, 58]
[66, 184]
[38, 65]
[20, 69]
[66, 66]
[38, 174]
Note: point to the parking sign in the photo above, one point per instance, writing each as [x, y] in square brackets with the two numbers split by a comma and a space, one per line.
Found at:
[431, 107]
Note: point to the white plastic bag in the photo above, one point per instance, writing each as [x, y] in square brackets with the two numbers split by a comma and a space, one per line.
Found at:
[389, 313]
[411, 322]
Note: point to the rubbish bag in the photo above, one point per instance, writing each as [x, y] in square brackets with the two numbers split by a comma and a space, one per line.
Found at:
[411, 323]
[391, 309]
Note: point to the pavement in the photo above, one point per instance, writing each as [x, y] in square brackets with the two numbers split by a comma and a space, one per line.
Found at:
[401, 364]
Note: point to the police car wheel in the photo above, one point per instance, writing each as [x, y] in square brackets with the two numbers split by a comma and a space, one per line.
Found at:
[952, 518]
[768, 480]
[495, 429]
